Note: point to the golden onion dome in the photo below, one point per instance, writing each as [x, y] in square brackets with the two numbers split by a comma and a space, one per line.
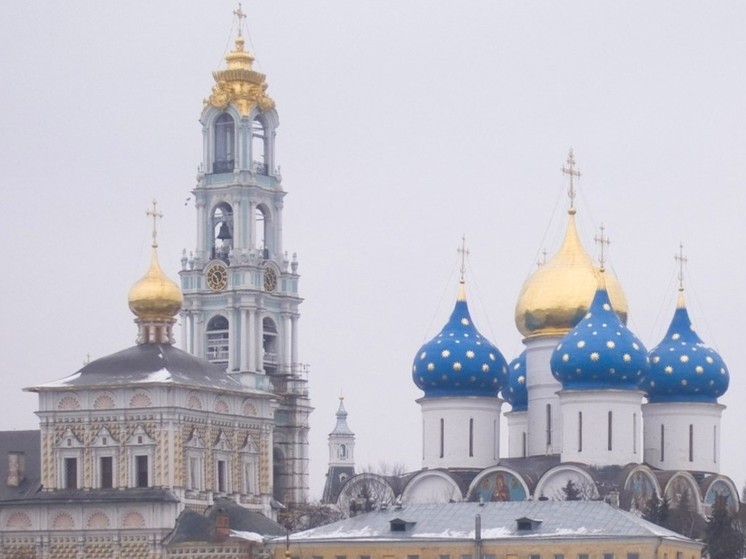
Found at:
[155, 296]
[557, 296]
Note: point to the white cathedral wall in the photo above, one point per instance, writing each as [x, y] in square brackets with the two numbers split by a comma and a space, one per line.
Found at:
[683, 436]
[544, 427]
[446, 426]
[601, 427]
[517, 433]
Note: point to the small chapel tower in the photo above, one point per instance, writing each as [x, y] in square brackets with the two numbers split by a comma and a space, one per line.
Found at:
[341, 456]
[241, 301]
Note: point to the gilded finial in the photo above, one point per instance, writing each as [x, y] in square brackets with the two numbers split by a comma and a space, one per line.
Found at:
[570, 170]
[604, 241]
[155, 214]
[239, 13]
[239, 83]
[681, 259]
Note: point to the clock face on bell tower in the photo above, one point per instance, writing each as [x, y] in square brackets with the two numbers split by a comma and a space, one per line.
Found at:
[216, 276]
[270, 279]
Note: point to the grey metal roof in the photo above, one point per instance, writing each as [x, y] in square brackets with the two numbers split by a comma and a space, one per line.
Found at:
[148, 363]
[456, 521]
[29, 443]
[78, 496]
[334, 482]
[194, 527]
[341, 428]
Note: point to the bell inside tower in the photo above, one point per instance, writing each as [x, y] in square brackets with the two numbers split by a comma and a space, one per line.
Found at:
[222, 226]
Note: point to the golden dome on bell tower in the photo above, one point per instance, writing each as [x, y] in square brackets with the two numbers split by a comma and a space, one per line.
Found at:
[239, 83]
[154, 297]
[557, 295]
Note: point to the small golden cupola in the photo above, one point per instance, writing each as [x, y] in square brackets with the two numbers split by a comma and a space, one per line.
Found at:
[239, 82]
[154, 298]
[557, 295]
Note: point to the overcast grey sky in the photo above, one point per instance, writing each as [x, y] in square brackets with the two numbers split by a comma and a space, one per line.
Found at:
[403, 126]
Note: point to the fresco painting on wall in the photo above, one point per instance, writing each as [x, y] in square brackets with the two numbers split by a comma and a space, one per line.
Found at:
[499, 486]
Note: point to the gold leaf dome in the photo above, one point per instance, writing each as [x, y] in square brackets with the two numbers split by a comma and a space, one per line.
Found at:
[155, 296]
[557, 296]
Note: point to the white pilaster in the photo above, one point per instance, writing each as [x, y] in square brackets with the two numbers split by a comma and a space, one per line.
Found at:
[601, 427]
[544, 418]
[683, 435]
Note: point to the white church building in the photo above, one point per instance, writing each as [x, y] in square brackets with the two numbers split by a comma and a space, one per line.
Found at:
[588, 403]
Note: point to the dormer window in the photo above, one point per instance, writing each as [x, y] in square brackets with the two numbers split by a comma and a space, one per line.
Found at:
[399, 525]
[225, 139]
[527, 524]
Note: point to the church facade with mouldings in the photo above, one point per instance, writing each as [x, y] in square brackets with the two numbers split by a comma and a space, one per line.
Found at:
[154, 450]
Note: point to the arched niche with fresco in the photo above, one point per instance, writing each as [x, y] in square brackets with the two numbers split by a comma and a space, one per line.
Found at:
[498, 484]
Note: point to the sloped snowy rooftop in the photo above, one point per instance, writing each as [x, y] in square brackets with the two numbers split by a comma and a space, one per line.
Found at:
[456, 521]
[148, 363]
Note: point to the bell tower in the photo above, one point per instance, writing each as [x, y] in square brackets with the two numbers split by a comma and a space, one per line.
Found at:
[241, 301]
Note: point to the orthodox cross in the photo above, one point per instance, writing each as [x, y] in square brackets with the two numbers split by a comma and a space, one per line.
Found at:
[543, 259]
[155, 214]
[681, 259]
[239, 13]
[464, 252]
[604, 242]
[570, 170]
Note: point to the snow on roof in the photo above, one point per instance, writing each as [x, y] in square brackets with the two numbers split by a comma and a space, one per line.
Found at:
[456, 521]
[249, 536]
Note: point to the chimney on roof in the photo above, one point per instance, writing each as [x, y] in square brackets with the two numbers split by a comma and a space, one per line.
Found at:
[613, 498]
[16, 468]
[222, 525]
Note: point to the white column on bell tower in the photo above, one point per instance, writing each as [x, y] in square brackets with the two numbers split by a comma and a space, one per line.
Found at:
[294, 340]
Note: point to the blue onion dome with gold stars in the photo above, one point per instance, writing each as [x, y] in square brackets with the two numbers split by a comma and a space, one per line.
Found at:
[515, 392]
[682, 367]
[459, 361]
[600, 352]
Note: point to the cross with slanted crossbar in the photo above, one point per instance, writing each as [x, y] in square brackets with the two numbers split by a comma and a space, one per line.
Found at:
[155, 214]
[681, 259]
[604, 242]
[570, 170]
[464, 252]
[239, 13]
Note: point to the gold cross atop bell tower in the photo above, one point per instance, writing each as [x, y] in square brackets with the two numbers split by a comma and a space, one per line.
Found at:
[241, 15]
